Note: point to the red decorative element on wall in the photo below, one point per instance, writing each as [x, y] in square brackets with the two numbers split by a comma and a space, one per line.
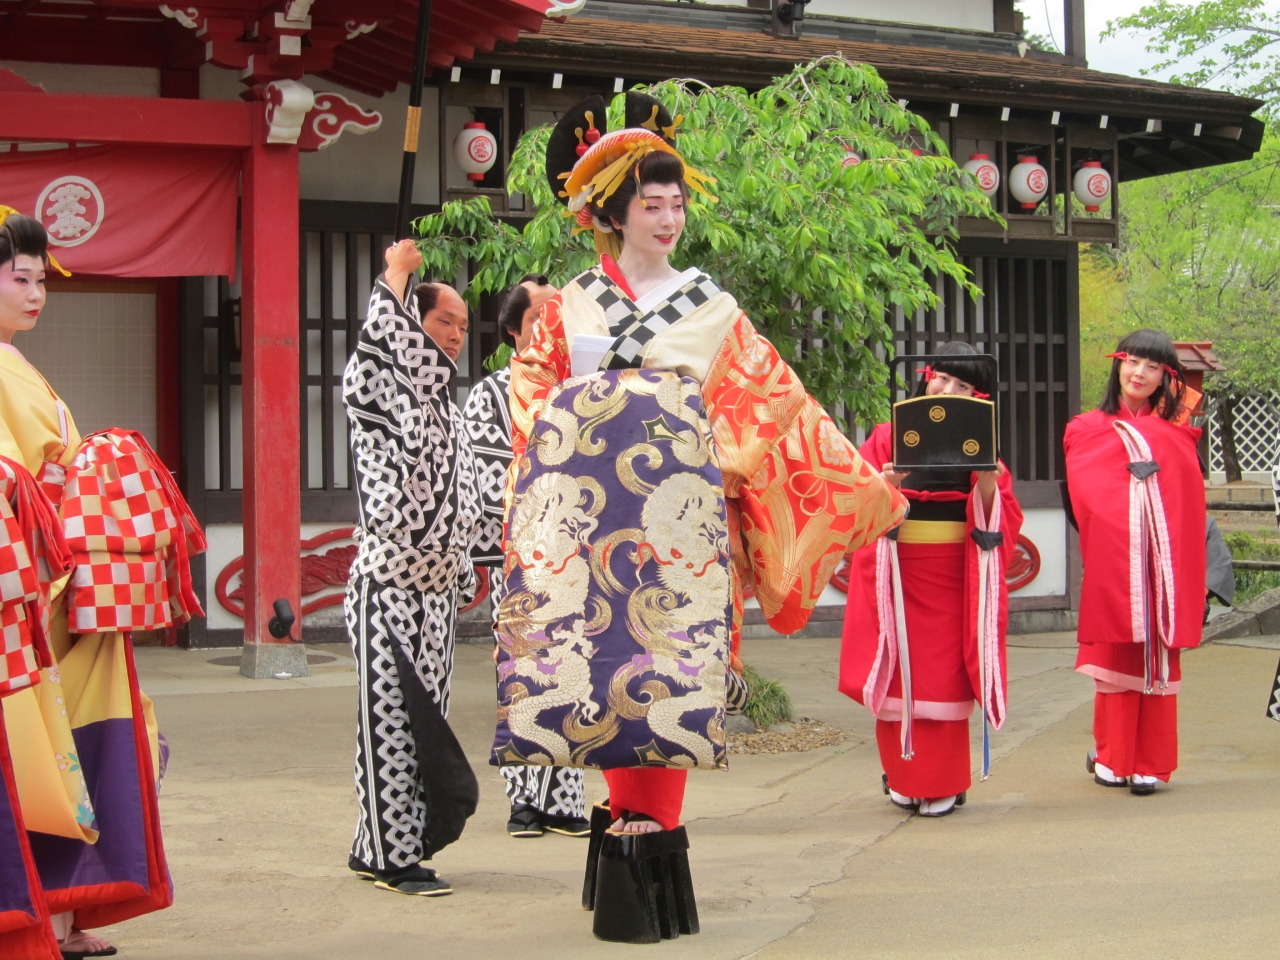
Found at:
[330, 117]
[1025, 565]
[1024, 568]
[319, 572]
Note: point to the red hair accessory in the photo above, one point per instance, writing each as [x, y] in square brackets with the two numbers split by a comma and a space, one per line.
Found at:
[1121, 355]
[928, 375]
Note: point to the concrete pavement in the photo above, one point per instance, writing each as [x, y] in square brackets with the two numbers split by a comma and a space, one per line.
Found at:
[794, 855]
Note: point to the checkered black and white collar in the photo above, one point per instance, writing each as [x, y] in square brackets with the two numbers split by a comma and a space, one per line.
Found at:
[632, 327]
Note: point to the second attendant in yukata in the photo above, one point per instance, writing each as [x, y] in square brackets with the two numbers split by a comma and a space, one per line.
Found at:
[542, 798]
[419, 510]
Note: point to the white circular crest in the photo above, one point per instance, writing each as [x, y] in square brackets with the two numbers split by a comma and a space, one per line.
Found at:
[71, 209]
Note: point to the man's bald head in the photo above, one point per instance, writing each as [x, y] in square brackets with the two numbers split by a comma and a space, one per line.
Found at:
[444, 317]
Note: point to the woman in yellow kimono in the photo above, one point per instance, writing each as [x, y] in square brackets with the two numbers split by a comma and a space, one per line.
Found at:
[84, 744]
[796, 497]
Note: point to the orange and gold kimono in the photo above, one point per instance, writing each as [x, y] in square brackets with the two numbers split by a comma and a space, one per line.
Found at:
[798, 495]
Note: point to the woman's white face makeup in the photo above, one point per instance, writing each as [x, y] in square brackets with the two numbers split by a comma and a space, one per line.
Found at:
[1139, 378]
[22, 295]
[655, 219]
[944, 383]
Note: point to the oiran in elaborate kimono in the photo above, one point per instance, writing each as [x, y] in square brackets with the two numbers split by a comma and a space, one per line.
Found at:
[665, 457]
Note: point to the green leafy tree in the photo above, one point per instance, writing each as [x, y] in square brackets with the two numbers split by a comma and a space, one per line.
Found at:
[1217, 42]
[817, 252]
[1200, 251]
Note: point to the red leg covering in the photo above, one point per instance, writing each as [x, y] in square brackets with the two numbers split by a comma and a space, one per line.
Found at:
[1136, 733]
[940, 767]
[23, 937]
[656, 792]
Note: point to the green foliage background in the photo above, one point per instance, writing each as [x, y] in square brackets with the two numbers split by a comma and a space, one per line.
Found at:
[1200, 251]
[808, 246]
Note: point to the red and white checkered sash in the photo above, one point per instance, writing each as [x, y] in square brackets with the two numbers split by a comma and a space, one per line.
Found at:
[132, 534]
[32, 555]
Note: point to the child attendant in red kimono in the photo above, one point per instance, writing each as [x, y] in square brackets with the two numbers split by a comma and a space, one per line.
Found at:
[1136, 490]
[941, 638]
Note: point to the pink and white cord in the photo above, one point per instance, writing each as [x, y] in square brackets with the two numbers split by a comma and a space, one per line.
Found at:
[1151, 584]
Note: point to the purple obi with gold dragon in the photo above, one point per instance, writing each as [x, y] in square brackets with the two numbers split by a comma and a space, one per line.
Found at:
[613, 634]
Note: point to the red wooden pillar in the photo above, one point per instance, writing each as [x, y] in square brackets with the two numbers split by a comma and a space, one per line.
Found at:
[269, 356]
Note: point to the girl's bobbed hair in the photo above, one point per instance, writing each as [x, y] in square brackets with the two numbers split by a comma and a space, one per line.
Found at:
[976, 373]
[1156, 346]
[22, 236]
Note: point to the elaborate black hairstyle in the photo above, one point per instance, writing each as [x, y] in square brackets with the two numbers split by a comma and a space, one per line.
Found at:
[583, 126]
[587, 164]
[514, 304]
[973, 372]
[22, 236]
[1157, 347]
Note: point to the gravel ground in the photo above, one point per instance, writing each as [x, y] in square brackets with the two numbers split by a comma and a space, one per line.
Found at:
[805, 734]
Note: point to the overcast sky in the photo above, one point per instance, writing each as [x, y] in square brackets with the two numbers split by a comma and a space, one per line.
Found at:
[1125, 54]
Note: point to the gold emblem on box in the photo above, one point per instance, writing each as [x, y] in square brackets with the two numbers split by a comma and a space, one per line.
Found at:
[911, 438]
[937, 414]
[970, 448]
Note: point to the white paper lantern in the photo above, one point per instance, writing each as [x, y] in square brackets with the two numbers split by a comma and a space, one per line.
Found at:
[984, 172]
[1028, 182]
[1092, 185]
[851, 158]
[476, 150]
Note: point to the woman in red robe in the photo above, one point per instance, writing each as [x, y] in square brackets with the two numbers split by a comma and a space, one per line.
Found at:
[1136, 490]
[945, 646]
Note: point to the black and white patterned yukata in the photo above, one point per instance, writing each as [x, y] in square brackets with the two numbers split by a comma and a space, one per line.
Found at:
[553, 791]
[419, 510]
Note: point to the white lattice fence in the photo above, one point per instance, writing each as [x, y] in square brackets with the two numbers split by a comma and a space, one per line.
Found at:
[1257, 422]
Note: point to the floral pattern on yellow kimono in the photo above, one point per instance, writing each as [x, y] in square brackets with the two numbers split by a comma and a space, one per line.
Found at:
[798, 494]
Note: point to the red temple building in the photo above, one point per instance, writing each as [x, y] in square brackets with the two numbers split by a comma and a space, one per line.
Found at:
[221, 328]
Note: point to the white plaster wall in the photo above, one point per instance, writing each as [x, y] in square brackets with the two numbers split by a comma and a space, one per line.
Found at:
[226, 542]
[82, 78]
[965, 14]
[1047, 529]
[363, 167]
[98, 351]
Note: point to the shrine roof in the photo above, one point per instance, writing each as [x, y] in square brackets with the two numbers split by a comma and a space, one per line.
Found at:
[366, 45]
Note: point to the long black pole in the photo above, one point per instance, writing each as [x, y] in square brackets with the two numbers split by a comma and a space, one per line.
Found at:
[413, 120]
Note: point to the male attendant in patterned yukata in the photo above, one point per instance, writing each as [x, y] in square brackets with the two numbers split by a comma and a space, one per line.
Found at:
[419, 511]
[542, 798]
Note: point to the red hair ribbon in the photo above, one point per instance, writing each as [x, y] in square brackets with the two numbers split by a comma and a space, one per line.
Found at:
[1121, 355]
[928, 375]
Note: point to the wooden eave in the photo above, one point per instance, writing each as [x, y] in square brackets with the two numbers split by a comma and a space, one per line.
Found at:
[926, 76]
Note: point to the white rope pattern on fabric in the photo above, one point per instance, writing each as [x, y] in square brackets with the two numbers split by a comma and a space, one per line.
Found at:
[1151, 584]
